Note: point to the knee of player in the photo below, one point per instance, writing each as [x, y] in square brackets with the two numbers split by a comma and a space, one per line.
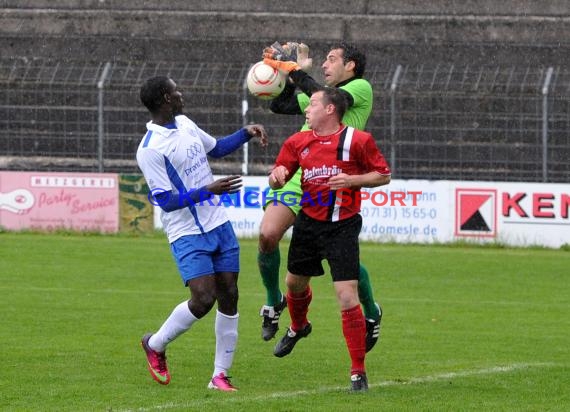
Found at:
[347, 294]
[203, 302]
[231, 294]
[296, 284]
[268, 239]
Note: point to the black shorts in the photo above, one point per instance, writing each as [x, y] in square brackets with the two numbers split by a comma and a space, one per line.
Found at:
[337, 242]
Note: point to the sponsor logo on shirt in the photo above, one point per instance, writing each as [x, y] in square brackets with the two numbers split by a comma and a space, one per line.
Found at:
[320, 172]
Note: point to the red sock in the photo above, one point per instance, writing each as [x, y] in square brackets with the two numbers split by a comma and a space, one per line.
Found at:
[298, 304]
[354, 330]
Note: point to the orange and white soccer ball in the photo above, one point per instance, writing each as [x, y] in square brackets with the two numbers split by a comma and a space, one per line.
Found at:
[265, 82]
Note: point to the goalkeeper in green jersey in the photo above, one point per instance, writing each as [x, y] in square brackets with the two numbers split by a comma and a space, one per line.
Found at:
[343, 68]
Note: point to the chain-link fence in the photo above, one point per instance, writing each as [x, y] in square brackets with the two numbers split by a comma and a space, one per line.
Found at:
[431, 122]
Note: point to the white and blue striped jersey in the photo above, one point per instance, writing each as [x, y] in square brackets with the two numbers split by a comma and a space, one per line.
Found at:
[175, 159]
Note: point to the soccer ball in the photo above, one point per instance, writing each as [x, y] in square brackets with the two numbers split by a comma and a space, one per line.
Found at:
[265, 82]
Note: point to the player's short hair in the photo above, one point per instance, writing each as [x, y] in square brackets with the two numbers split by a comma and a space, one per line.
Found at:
[351, 53]
[152, 92]
[334, 96]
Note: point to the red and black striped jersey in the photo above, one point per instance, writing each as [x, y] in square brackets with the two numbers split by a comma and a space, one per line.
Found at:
[349, 151]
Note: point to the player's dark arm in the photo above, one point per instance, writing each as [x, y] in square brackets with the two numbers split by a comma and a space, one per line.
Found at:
[286, 102]
[305, 82]
[308, 85]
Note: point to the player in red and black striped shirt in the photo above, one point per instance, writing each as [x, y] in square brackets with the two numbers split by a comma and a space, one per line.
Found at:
[337, 161]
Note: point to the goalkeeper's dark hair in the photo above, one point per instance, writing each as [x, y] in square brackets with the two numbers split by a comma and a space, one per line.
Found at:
[336, 97]
[351, 53]
[153, 91]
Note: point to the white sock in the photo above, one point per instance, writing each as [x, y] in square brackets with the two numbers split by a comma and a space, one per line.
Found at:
[226, 340]
[177, 323]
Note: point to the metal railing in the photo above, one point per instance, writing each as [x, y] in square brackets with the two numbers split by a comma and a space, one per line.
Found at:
[431, 121]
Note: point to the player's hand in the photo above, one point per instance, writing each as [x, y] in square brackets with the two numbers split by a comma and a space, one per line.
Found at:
[289, 52]
[340, 181]
[257, 130]
[278, 177]
[282, 52]
[282, 57]
[303, 59]
[291, 48]
[230, 184]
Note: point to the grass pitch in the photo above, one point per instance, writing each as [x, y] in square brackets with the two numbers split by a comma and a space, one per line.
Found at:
[464, 329]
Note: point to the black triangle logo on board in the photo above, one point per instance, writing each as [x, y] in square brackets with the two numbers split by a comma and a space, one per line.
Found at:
[476, 223]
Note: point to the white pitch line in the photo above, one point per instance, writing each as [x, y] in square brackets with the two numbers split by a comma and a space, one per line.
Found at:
[452, 375]
[409, 381]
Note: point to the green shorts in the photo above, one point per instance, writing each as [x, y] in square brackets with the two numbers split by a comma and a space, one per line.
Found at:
[290, 195]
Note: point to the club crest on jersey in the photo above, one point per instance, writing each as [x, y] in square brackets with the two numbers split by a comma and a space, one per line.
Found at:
[193, 151]
[305, 152]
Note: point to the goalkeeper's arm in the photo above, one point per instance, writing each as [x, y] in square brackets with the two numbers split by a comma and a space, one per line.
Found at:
[305, 82]
[309, 85]
[286, 102]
